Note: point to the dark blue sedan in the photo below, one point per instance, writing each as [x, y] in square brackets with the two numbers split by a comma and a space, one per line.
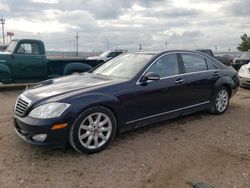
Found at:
[132, 90]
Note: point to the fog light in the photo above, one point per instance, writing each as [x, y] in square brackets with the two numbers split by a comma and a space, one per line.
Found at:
[39, 137]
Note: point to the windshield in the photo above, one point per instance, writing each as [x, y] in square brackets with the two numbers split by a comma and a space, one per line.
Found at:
[11, 46]
[245, 55]
[125, 66]
[104, 54]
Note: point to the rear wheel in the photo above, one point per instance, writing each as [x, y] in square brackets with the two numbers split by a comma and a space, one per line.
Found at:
[220, 101]
[93, 130]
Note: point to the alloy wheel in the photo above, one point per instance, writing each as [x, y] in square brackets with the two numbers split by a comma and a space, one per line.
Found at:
[222, 100]
[95, 130]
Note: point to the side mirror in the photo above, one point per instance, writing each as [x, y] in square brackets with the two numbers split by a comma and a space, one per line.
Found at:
[150, 76]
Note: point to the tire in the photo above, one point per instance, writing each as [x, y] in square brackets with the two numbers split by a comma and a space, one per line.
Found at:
[93, 130]
[220, 101]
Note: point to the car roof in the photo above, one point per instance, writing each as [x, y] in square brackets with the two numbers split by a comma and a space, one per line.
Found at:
[158, 52]
[30, 40]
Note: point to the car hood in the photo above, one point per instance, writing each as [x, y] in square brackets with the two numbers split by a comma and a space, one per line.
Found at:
[4, 53]
[68, 84]
[246, 66]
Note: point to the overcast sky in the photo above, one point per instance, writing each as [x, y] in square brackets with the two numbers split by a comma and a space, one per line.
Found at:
[183, 24]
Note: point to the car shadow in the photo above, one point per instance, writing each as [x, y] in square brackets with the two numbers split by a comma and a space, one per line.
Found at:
[45, 153]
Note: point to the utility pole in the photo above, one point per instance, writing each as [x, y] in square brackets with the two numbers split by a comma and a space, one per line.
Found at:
[107, 40]
[70, 45]
[2, 20]
[166, 45]
[216, 48]
[140, 47]
[77, 37]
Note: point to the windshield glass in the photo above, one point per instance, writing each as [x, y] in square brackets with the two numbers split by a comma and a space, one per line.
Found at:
[125, 66]
[11, 46]
[104, 54]
[245, 55]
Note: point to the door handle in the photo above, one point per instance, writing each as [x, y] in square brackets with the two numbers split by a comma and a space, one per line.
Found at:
[179, 81]
[38, 57]
[216, 74]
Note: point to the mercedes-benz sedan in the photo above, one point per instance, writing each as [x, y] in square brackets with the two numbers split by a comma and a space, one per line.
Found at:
[132, 90]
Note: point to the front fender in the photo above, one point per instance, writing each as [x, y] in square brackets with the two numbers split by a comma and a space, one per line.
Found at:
[82, 103]
[76, 67]
[5, 74]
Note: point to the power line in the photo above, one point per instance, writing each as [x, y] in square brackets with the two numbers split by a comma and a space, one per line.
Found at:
[2, 20]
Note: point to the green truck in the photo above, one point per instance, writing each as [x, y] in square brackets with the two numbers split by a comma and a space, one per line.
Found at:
[25, 61]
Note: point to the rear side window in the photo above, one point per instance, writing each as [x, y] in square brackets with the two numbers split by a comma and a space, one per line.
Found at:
[211, 65]
[194, 63]
[165, 66]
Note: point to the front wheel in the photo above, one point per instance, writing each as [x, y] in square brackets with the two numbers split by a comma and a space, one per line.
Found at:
[220, 101]
[93, 130]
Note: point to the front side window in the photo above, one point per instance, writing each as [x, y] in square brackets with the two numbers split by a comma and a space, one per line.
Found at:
[194, 63]
[28, 48]
[165, 66]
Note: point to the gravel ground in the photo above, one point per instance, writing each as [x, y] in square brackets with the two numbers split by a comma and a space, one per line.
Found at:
[195, 148]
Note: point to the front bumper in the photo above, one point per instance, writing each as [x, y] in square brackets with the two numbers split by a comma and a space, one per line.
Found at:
[245, 82]
[27, 127]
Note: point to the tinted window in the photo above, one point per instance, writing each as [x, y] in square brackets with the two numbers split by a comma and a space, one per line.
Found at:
[118, 53]
[165, 66]
[28, 48]
[194, 63]
[112, 54]
[211, 65]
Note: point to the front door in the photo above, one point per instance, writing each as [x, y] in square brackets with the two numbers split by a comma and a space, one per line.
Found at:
[28, 63]
[156, 98]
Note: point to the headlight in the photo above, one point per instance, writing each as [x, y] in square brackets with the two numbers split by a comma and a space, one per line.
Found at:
[50, 110]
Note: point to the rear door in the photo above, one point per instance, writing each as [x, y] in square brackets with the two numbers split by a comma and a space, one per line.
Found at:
[200, 75]
[28, 62]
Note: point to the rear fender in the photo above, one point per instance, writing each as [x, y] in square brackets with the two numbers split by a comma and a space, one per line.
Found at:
[5, 74]
[76, 67]
[226, 82]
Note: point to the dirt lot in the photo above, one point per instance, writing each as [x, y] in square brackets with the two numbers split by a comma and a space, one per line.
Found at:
[197, 148]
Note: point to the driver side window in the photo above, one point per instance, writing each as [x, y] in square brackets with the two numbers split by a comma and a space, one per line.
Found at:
[28, 48]
[165, 66]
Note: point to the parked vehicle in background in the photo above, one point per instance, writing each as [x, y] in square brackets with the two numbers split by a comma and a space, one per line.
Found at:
[108, 55]
[225, 59]
[242, 60]
[132, 90]
[3, 47]
[244, 75]
[25, 61]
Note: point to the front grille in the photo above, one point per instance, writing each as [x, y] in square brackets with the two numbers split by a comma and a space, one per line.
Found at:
[22, 105]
